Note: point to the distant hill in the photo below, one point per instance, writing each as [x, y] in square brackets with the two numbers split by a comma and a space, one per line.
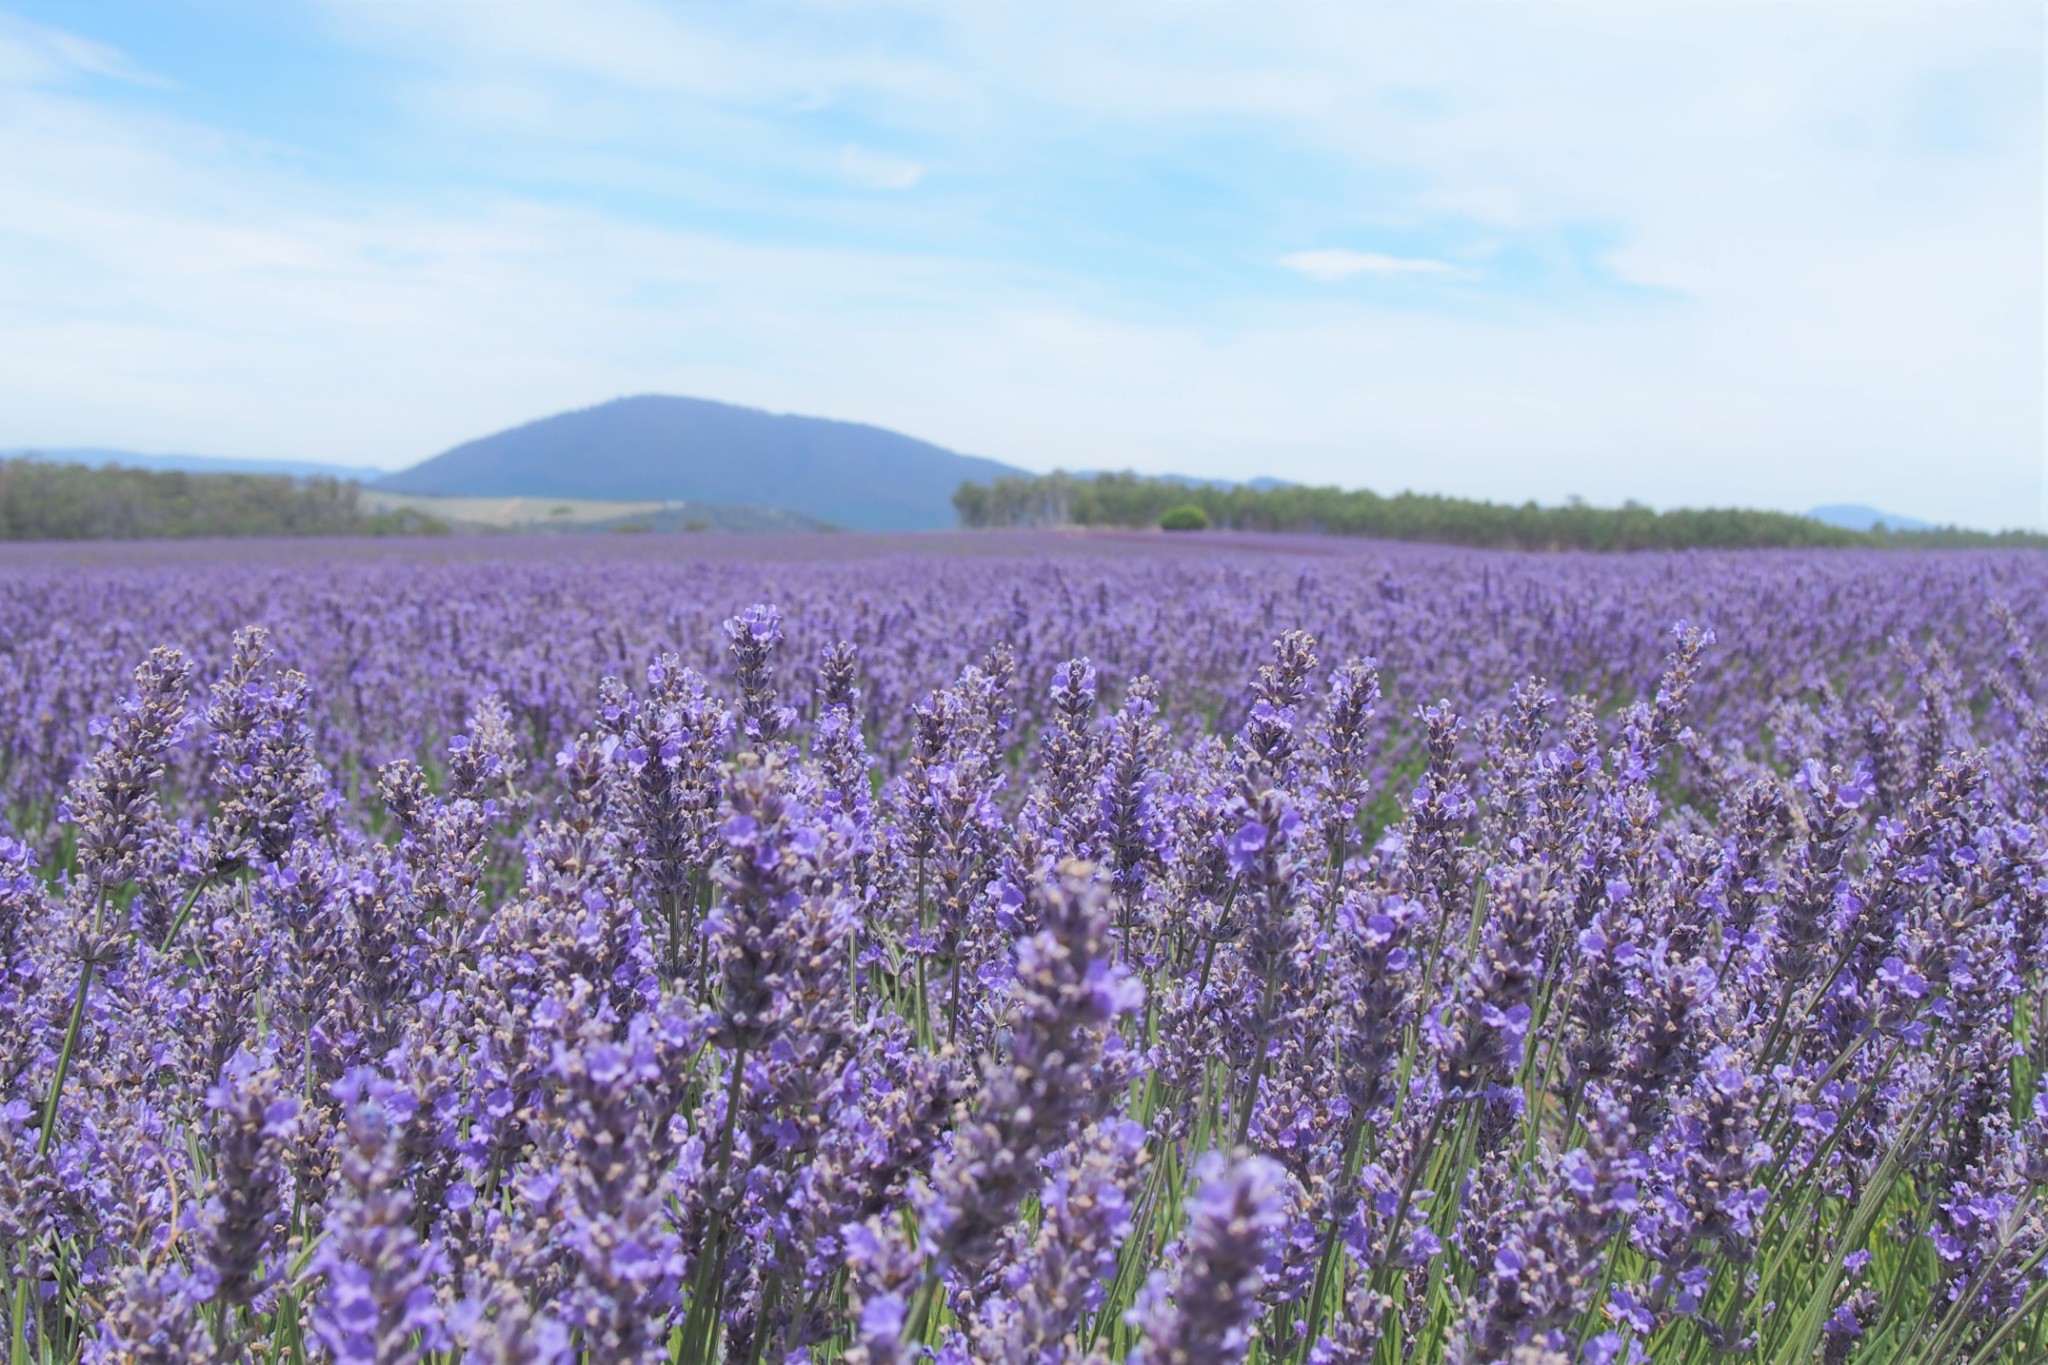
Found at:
[1851, 516]
[664, 449]
[97, 458]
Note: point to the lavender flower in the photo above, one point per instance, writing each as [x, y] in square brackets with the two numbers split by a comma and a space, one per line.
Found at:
[884, 1275]
[1058, 807]
[113, 801]
[253, 1120]
[1202, 1312]
[1572, 1002]
[1128, 798]
[1481, 1032]
[603, 1194]
[775, 851]
[1063, 1273]
[153, 1318]
[752, 636]
[1062, 1069]
[665, 749]
[376, 1303]
[272, 786]
[1542, 1273]
[1344, 751]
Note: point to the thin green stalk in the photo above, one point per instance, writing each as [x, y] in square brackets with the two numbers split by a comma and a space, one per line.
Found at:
[1423, 1151]
[1332, 1253]
[700, 1325]
[2029, 1306]
[923, 1021]
[672, 911]
[1137, 1248]
[771, 1292]
[1258, 1077]
[701, 898]
[953, 1001]
[1821, 1301]
[71, 1033]
[18, 1348]
[1794, 1198]
[184, 913]
[1766, 1053]
[918, 1320]
[1962, 1311]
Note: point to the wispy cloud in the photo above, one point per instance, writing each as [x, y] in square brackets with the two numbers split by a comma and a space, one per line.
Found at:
[32, 54]
[1716, 268]
[878, 171]
[1332, 264]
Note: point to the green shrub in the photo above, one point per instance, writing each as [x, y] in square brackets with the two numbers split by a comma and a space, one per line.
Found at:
[1186, 517]
[404, 521]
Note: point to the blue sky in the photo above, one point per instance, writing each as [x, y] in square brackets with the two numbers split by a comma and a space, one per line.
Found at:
[1687, 252]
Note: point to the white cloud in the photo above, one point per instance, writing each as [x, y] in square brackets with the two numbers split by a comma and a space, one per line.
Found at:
[1332, 264]
[33, 54]
[877, 171]
[1825, 311]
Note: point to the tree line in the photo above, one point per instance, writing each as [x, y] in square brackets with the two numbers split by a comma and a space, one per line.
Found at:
[1132, 500]
[43, 500]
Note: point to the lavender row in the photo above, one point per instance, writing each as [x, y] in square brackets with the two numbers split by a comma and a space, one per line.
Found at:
[1433, 957]
[404, 650]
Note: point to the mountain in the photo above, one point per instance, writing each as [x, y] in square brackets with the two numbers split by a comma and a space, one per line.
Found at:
[97, 458]
[664, 449]
[1852, 516]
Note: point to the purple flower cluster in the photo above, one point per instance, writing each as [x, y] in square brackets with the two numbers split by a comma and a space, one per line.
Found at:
[1101, 952]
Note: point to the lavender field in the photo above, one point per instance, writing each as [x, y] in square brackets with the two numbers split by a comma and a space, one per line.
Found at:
[1022, 948]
